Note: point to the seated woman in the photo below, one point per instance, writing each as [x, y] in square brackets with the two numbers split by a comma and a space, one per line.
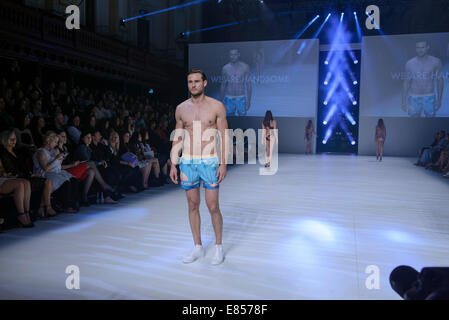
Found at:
[84, 153]
[131, 177]
[101, 155]
[146, 162]
[77, 169]
[15, 165]
[143, 164]
[47, 163]
[21, 191]
[163, 157]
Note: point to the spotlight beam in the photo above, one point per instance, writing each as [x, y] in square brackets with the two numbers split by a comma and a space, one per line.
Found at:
[301, 32]
[359, 29]
[266, 16]
[188, 4]
[321, 27]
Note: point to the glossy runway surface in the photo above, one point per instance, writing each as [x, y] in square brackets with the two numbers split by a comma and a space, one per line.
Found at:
[308, 232]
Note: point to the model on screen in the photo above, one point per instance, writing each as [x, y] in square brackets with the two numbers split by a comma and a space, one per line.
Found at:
[269, 136]
[308, 136]
[379, 138]
[420, 94]
[236, 89]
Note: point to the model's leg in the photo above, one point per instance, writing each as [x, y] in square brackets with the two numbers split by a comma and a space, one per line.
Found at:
[377, 150]
[217, 222]
[271, 146]
[381, 150]
[267, 153]
[193, 200]
[215, 213]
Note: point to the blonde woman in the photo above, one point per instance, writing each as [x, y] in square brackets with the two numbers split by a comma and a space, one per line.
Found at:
[48, 165]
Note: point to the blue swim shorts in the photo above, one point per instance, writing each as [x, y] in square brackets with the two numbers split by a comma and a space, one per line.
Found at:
[197, 169]
[421, 103]
[235, 104]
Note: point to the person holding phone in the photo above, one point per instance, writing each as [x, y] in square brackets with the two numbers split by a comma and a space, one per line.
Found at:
[48, 164]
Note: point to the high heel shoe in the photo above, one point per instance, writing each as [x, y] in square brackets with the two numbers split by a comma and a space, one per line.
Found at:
[29, 225]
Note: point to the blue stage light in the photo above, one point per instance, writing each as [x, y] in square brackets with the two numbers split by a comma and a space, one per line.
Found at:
[166, 10]
[339, 78]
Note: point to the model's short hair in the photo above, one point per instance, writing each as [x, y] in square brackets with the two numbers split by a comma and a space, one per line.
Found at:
[203, 75]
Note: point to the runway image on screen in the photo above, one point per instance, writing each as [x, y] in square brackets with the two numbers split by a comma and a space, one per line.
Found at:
[252, 77]
[405, 76]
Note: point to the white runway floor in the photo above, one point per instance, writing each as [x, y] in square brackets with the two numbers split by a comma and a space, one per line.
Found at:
[307, 232]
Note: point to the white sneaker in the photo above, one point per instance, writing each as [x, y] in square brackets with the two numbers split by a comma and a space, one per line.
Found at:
[218, 256]
[196, 253]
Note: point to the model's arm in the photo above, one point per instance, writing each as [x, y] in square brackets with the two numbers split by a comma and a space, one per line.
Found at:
[275, 131]
[176, 148]
[249, 89]
[406, 86]
[222, 125]
[264, 133]
[44, 164]
[440, 85]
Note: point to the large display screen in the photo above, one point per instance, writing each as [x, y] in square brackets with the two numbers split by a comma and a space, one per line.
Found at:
[253, 77]
[405, 76]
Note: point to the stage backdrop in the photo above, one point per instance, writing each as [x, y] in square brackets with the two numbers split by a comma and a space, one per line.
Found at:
[402, 80]
[253, 77]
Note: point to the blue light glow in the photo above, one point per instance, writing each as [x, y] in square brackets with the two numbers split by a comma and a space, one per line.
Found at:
[339, 81]
[166, 10]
